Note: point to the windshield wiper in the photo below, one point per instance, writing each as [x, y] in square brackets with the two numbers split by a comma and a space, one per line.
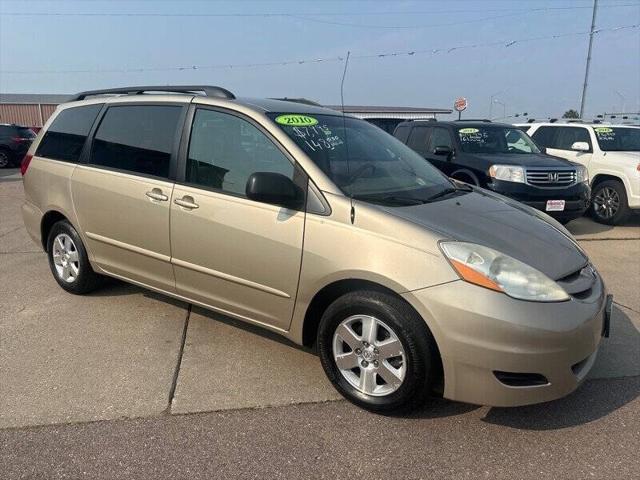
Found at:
[391, 198]
[444, 193]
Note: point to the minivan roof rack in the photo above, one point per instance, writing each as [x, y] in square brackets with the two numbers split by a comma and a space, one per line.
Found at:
[304, 101]
[486, 120]
[207, 90]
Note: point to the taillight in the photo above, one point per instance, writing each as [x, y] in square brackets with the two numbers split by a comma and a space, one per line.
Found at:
[25, 164]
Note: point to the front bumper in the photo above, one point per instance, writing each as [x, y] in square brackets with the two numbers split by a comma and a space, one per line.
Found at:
[479, 332]
[577, 197]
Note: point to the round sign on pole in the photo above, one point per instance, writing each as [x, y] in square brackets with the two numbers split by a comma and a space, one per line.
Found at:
[460, 104]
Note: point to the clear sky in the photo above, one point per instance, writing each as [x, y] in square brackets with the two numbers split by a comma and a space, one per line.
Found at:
[64, 53]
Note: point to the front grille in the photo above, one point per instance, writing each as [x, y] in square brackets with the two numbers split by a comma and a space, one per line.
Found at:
[551, 177]
[579, 284]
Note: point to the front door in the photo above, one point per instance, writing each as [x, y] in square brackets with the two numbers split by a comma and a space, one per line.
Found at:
[121, 196]
[567, 136]
[440, 137]
[236, 255]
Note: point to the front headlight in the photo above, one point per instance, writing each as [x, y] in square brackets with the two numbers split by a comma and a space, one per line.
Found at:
[582, 174]
[508, 173]
[494, 270]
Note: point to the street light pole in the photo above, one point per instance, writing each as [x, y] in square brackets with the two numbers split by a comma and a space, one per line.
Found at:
[504, 108]
[623, 106]
[586, 72]
[491, 103]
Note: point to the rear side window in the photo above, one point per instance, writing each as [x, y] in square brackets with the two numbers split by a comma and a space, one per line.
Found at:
[418, 140]
[66, 135]
[544, 136]
[137, 139]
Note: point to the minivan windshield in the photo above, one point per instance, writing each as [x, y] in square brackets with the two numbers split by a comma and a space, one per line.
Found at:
[505, 140]
[364, 161]
[618, 139]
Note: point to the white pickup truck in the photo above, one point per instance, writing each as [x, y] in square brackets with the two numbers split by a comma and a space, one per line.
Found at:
[611, 154]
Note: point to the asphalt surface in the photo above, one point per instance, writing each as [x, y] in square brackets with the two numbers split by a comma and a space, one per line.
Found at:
[125, 383]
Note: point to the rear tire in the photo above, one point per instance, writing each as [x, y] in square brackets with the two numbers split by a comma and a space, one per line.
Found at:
[609, 203]
[68, 260]
[388, 370]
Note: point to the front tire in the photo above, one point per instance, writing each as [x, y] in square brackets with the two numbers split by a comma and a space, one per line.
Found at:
[609, 205]
[377, 351]
[68, 260]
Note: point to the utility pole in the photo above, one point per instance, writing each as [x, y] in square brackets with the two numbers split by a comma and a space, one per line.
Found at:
[586, 72]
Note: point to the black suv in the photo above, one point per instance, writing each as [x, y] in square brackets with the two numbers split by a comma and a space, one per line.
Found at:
[504, 159]
[15, 140]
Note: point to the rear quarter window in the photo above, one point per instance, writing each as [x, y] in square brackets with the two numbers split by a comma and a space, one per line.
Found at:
[67, 134]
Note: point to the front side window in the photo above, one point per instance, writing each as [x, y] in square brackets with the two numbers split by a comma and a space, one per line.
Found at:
[364, 161]
[618, 139]
[224, 150]
[504, 140]
[67, 133]
[440, 137]
[567, 136]
[137, 139]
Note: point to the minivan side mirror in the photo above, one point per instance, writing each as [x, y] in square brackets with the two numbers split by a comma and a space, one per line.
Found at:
[275, 189]
[580, 146]
[442, 150]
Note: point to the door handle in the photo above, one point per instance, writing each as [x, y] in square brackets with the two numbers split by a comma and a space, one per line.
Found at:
[186, 202]
[156, 194]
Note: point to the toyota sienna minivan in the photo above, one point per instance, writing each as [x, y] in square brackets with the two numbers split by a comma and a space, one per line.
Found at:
[322, 228]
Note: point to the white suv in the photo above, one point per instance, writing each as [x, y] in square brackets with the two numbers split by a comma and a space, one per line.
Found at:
[611, 153]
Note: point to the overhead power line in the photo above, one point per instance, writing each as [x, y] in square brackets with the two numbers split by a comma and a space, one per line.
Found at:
[313, 17]
[431, 51]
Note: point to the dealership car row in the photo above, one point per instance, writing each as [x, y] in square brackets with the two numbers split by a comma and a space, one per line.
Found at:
[570, 168]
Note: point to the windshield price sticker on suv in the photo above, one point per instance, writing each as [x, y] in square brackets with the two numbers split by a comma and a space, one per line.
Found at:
[296, 120]
[604, 133]
[472, 135]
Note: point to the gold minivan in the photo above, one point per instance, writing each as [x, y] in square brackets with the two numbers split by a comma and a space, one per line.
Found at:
[324, 229]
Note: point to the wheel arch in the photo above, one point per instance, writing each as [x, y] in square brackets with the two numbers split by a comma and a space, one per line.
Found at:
[462, 173]
[332, 291]
[48, 220]
[603, 177]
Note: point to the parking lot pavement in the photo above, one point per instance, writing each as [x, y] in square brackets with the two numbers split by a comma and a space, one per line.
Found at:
[584, 229]
[228, 364]
[65, 358]
[592, 433]
[118, 353]
[9, 174]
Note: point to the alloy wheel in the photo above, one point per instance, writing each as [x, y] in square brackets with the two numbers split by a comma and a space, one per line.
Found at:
[369, 355]
[65, 258]
[4, 160]
[606, 202]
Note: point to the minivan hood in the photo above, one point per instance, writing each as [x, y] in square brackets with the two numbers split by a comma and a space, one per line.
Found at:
[502, 224]
[524, 159]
